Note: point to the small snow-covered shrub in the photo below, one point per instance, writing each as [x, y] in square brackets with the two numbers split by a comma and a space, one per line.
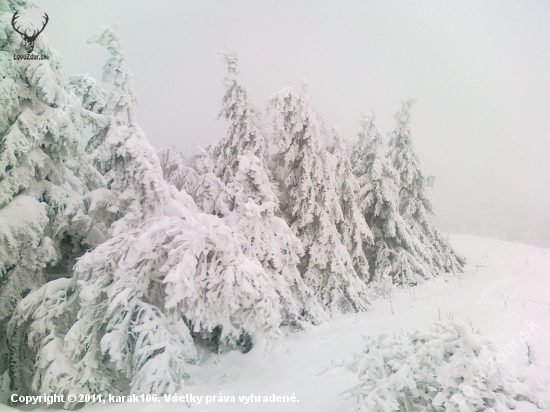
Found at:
[453, 371]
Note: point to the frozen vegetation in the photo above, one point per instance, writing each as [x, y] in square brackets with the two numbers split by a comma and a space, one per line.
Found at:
[130, 270]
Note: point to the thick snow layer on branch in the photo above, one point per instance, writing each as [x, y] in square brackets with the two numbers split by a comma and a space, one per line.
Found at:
[451, 369]
[314, 206]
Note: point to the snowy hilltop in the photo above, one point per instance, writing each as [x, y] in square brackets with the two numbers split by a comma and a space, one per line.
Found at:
[122, 267]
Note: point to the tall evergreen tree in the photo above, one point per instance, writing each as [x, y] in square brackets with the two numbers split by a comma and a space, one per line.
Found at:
[398, 253]
[45, 175]
[356, 234]
[120, 149]
[122, 97]
[311, 205]
[414, 204]
[241, 191]
[244, 132]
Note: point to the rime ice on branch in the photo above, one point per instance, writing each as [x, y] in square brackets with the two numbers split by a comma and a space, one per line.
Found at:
[311, 205]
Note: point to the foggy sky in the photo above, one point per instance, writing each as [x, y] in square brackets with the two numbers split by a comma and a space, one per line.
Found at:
[479, 70]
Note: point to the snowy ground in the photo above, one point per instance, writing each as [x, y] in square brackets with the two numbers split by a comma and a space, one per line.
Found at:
[507, 292]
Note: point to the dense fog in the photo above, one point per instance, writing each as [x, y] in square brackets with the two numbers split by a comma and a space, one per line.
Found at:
[480, 72]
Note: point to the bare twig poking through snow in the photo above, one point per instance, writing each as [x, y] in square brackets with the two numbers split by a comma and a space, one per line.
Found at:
[476, 331]
[333, 364]
[480, 266]
[412, 292]
[529, 353]
[482, 263]
[439, 325]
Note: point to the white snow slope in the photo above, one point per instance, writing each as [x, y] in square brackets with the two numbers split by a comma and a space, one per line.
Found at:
[507, 292]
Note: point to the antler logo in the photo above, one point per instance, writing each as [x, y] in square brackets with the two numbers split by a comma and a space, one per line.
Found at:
[29, 40]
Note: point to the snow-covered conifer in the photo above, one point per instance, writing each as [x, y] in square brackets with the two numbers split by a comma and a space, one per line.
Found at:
[45, 174]
[452, 370]
[356, 234]
[94, 97]
[398, 252]
[126, 319]
[244, 132]
[271, 240]
[176, 170]
[121, 100]
[136, 190]
[414, 204]
[117, 70]
[133, 300]
[311, 205]
[241, 191]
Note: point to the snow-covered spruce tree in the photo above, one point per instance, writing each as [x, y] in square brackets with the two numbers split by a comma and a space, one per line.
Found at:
[120, 150]
[271, 241]
[310, 204]
[398, 253]
[176, 171]
[126, 319]
[356, 234]
[244, 132]
[414, 205]
[237, 186]
[122, 97]
[452, 371]
[106, 106]
[45, 174]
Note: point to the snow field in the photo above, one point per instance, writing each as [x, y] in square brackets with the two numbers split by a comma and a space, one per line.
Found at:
[502, 299]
